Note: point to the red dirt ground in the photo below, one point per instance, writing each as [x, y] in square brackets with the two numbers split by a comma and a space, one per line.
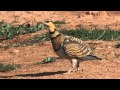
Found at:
[26, 56]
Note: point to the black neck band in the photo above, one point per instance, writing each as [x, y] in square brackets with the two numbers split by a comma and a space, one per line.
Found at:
[52, 32]
[56, 36]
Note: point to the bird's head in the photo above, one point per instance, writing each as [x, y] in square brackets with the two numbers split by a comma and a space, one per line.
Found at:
[49, 23]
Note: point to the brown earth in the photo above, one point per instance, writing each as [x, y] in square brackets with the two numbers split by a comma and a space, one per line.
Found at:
[26, 56]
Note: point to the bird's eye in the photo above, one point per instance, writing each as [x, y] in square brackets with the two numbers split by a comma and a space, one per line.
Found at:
[47, 21]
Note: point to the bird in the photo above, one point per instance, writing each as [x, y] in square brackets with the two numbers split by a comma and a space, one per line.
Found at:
[69, 47]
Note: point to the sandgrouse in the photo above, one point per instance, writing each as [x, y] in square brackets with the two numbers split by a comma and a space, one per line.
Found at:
[69, 47]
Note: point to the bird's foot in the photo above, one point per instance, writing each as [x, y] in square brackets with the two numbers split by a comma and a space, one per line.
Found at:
[72, 70]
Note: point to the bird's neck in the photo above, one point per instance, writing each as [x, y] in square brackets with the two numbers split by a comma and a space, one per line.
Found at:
[54, 34]
[52, 28]
[57, 39]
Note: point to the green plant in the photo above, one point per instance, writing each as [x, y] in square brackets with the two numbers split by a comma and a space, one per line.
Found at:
[46, 60]
[8, 67]
[93, 34]
[34, 40]
[8, 31]
[58, 23]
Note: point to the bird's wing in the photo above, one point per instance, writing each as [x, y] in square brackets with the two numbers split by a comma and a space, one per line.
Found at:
[74, 47]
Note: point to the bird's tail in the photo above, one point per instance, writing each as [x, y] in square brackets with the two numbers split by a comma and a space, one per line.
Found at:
[92, 57]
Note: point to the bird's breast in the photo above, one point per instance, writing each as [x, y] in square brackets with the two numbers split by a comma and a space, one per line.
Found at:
[61, 53]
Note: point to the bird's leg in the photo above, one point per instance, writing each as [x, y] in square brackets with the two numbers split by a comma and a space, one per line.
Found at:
[75, 65]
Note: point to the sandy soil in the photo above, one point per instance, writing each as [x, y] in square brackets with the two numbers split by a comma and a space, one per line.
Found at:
[27, 56]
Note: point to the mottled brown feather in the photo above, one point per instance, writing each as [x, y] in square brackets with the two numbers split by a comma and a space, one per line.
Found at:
[75, 47]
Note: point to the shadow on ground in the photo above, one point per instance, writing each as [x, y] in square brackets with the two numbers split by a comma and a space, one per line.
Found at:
[5, 77]
[42, 74]
[36, 74]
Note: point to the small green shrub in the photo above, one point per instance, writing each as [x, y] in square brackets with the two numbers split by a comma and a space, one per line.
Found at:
[58, 23]
[106, 35]
[46, 60]
[8, 67]
[8, 31]
[34, 40]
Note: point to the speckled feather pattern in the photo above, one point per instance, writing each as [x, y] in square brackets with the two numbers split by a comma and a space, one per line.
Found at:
[73, 47]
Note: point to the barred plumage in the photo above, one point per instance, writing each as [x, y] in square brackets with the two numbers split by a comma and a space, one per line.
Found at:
[69, 47]
[75, 47]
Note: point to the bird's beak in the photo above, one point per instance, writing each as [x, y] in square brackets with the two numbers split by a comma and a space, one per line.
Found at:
[43, 22]
[45, 26]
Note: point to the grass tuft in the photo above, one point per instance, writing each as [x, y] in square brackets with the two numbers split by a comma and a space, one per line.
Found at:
[8, 67]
